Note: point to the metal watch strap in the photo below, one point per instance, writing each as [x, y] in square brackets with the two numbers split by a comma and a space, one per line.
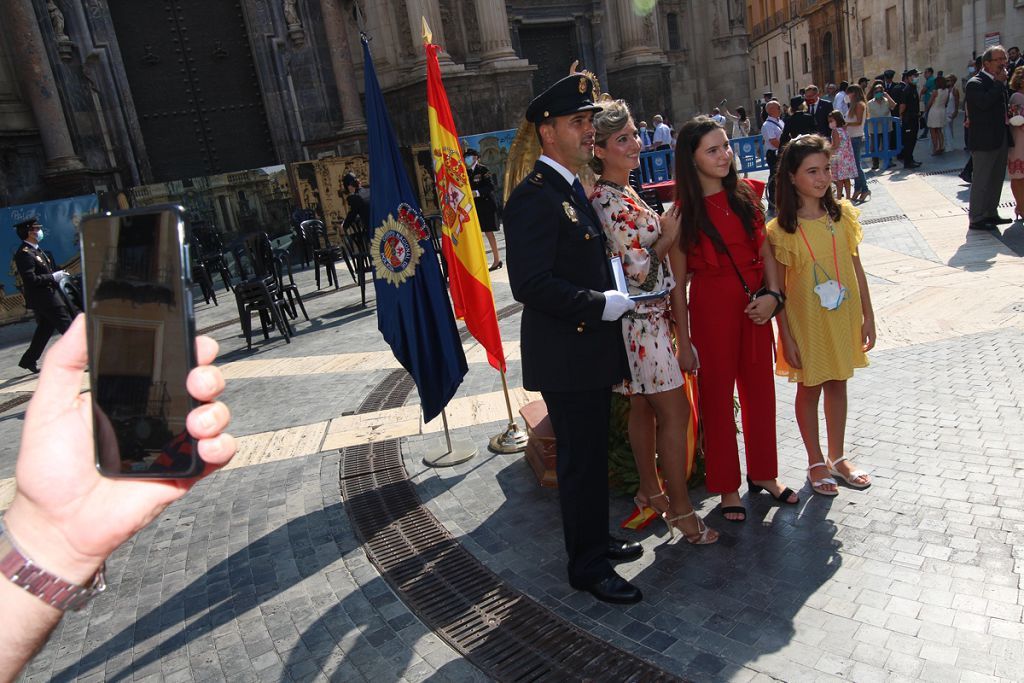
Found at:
[49, 588]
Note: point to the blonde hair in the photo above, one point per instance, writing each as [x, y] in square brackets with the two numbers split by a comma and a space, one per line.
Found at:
[610, 120]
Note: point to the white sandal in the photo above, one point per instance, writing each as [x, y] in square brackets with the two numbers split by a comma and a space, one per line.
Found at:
[852, 479]
[819, 485]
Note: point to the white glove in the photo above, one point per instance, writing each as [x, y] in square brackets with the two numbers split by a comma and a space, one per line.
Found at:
[59, 275]
[616, 304]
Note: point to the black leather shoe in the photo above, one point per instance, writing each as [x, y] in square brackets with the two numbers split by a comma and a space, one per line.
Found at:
[31, 367]
[998, 220]
[912, 164]
[623, 551]
[612, 588]
[983, 225]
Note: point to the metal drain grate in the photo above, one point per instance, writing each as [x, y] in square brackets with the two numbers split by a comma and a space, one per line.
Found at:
[16, 401]
[504, 633]
[883, 219]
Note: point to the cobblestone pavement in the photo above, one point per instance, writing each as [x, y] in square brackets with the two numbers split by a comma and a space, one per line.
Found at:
[258, 574]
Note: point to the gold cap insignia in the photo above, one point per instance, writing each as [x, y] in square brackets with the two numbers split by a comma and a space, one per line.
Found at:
[583, 84]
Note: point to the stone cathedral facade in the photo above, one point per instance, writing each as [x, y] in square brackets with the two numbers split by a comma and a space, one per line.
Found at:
[104, 95]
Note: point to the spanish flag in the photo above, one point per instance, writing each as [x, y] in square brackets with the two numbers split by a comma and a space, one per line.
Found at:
[468, 279]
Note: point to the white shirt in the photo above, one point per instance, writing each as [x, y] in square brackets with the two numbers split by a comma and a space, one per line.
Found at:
[719, 119]
[562, 170]
[841, 103]
[771, 129]
[662, 135]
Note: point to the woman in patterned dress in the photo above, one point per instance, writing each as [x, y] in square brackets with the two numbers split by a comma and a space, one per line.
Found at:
[658, 406]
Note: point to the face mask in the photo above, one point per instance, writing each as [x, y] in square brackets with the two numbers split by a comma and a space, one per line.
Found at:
[970, 69]
[643, 131]
[914, 80]
[832, 125]
[470, 160]
[811, 99]
[879, 95]
[39, 235]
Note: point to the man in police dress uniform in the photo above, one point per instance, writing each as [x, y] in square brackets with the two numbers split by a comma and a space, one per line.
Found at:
[571, 336]
[39, 279]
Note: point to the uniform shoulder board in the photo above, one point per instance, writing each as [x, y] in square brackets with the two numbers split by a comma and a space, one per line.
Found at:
[536, 178]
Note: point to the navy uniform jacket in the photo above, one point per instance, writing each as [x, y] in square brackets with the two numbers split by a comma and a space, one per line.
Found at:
[36, 271]
[558, 268]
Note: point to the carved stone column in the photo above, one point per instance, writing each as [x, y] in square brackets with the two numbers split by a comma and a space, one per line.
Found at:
[33, 68]
[341, 64]
[495, 38]
[636, 31]
[431, 11]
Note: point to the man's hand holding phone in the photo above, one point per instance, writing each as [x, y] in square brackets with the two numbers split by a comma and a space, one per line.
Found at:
[65, 516]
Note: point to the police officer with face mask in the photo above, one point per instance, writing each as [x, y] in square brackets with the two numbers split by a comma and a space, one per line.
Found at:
[40, 281]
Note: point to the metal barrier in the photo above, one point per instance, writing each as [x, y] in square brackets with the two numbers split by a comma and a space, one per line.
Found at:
[877, 134]
[656, 166]
[749, 153]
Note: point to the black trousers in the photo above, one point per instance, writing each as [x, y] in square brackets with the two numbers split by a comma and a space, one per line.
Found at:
[771, 157]
[47, 320]
[910, 129]
[580, 420]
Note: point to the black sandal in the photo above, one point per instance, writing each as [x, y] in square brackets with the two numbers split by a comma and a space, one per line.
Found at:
[733, 510]
[781, 498]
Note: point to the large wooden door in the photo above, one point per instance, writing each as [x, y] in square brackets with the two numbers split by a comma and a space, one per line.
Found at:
[194, 86]
[552, 49]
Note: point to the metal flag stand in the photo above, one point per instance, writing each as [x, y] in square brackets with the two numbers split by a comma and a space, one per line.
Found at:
[445, 453]
[513, 439]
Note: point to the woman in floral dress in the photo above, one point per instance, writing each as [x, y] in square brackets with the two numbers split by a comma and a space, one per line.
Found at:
[658, 406]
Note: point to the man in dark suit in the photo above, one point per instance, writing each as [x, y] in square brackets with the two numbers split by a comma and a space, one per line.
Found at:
[39, 278]
[987, 102]
[819, 110]
[798, 123]
[571, 336]
[908, 103]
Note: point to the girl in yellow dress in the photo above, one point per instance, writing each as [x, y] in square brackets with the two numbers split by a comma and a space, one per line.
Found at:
[827, 325]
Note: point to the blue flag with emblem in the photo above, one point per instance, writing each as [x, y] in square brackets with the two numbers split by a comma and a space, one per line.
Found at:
[413, 310]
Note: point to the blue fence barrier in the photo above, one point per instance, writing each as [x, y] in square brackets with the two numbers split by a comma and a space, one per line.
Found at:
[879, 135]
[749, 153]
[656, 166]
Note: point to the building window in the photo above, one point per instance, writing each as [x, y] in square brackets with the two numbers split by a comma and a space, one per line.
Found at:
[915, 24]
[765, 70]
[995, 9]
[789, 67]
[804, 59]
[775, 69]
[955, 13]
[865, 35]
[753, 76]
[890, 28]
[672, 19]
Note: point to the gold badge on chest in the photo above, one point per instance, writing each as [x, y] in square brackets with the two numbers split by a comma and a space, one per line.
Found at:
[570, 211]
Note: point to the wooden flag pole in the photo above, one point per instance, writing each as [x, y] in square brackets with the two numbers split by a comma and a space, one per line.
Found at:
[445, 453]
[513, 439]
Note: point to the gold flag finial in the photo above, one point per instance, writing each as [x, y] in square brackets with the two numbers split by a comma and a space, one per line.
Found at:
[428, 37]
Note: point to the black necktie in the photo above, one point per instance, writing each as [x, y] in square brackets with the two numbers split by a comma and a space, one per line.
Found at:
[812, 109]
[580, 193]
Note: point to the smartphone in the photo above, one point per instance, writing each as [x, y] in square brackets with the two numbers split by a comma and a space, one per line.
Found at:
[137, 293]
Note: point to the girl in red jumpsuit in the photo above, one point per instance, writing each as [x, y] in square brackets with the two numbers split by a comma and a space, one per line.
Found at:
[722, 239]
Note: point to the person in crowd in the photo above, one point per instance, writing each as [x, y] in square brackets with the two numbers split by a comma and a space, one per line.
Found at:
[1013, 59]
[766, 97]
[662, 138]
[864, 82]
[481, 182]
[723, 246]
[880, 108]
[989, 141]
[830, 92]
[645, 136]
[952, 105]
[571, 335]
[716, 116]
[740, 122]
[926, 91]
[66, 519]
[358, 199]
[800, 122]
[1015, 155]
[844, 165]
[818, 108]
[909, 100]
[839, 101]
[40, 282]
[771, 135]
[657, 398]
[889, 83]
[825, 331]
[857, 110]
[935, 115]
[968, 171]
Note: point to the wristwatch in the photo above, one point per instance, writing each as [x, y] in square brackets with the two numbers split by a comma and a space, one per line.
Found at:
[49, 588]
